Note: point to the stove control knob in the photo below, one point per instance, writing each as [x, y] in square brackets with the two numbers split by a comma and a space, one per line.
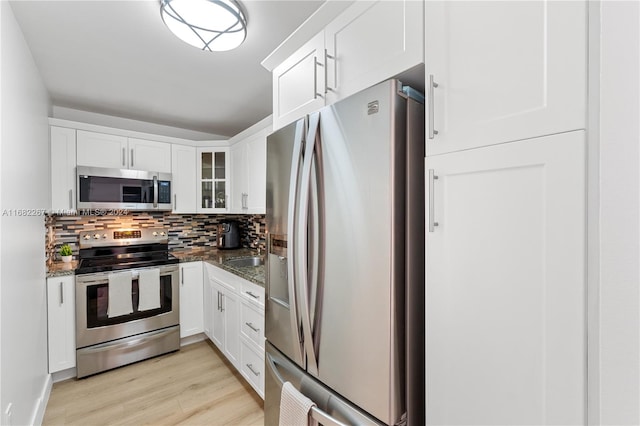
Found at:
[162, 234]
[87, 237]
[155, 234]
[104, 235]
[96, 236]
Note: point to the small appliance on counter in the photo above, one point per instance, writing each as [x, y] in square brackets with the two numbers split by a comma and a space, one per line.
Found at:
[228, 235]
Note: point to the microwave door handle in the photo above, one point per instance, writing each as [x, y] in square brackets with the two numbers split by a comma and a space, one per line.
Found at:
[155, 191]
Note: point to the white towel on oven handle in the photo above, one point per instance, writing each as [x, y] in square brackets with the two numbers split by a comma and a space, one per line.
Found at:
[119, 294]
[149, 289]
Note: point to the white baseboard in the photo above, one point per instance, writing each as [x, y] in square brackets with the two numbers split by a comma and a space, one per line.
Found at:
[59, 376]
[41, 405]
[192, 339]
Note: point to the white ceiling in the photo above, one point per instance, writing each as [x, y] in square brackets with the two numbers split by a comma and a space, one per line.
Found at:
[118, 58]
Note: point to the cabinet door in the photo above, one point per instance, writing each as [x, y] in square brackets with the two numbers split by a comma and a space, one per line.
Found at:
[191, 299]
[102, 150]
[213, 180]
[149, 155]
[505, 284]
[239, 177]
[256, 166]
[208, 305]
[299, 84]
[230, 308]
[61, 323]
[504, 71]
[370, 42]
[183, 178]
[63, 169]
[217, 315]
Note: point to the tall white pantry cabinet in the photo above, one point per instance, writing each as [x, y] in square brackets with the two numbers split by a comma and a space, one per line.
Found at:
[506, 216]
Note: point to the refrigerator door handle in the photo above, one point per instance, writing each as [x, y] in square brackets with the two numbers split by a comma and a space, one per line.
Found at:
[302, 241]
[292, 233]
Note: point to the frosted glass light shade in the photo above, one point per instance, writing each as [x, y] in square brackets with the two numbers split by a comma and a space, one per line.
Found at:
[212, 25]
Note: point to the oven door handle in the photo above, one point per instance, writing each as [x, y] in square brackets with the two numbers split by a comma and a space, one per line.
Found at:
[135, 342]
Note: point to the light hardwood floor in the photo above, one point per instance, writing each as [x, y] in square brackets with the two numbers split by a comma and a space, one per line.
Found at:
[195, 386]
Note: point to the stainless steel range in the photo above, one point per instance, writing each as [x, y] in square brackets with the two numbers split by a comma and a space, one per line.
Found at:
[127, 298]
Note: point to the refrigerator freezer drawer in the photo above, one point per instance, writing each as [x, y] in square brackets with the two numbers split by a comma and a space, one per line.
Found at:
[331, 410]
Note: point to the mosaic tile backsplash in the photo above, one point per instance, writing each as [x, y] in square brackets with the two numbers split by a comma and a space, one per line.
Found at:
[186, 231]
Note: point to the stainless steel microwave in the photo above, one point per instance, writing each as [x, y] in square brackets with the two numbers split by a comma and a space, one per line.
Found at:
[100, 188]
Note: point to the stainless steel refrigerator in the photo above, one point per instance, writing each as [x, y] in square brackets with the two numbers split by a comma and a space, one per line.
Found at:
[345, 274]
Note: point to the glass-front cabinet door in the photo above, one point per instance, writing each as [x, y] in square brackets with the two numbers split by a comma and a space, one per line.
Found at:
[213, 180]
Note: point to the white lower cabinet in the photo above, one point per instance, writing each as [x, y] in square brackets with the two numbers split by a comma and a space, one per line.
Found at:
[61, 322]
[234, 323]
[191, 299]
[505, 284]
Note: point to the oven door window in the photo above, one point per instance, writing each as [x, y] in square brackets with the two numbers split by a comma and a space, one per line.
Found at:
[98, 302]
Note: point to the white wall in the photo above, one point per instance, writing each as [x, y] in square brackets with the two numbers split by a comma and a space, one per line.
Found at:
[24, 177]
[619, 146]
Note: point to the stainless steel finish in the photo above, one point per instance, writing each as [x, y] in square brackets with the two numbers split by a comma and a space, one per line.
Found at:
[61, 293]
[432, 222]
[284, 159]
[175, 201]
[347, 283]
[331, 408]
[155, 191]
[70, 199]
[302, 244]
[432, 85]
[182, 277]
[251, 326]
[147, 236]
[252, 295]
[131, 158]
[126, 174]
[91, 336]
[327, 88]
[316, 95]
[124, 153]
[245, 261]
[221, 302]
[120, 352]
[250, 367]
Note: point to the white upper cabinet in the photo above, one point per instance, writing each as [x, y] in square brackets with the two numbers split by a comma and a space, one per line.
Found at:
[249, 179]
[102, 150]
[504, 71]
[370, 42]
[119, 152]
[63, 169]
[299, 83]
[213, 180]
[367, 43]
[183, 178]
[505, 284]
[149, 155]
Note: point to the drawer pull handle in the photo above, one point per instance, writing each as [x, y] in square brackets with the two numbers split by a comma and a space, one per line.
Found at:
[250, 367]
[252, 327]
[252, 295]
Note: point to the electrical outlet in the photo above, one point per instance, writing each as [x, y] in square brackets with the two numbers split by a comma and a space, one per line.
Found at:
[257, 225]
[8, 415]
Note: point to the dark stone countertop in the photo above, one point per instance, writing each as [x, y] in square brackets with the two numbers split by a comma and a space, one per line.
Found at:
[255, 274]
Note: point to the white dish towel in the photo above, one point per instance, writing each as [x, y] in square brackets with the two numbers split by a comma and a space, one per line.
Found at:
[149, 289]
[295, 407]
[119, 294]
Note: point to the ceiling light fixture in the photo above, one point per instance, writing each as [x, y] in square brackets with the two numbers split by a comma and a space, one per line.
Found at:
[212, 25]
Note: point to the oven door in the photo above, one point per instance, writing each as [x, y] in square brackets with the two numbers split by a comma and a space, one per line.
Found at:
[94, 326]
[100, 188]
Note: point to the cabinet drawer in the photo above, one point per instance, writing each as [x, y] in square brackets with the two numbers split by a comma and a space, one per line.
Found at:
[253, 293]
[252, 324]
[252, 366]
